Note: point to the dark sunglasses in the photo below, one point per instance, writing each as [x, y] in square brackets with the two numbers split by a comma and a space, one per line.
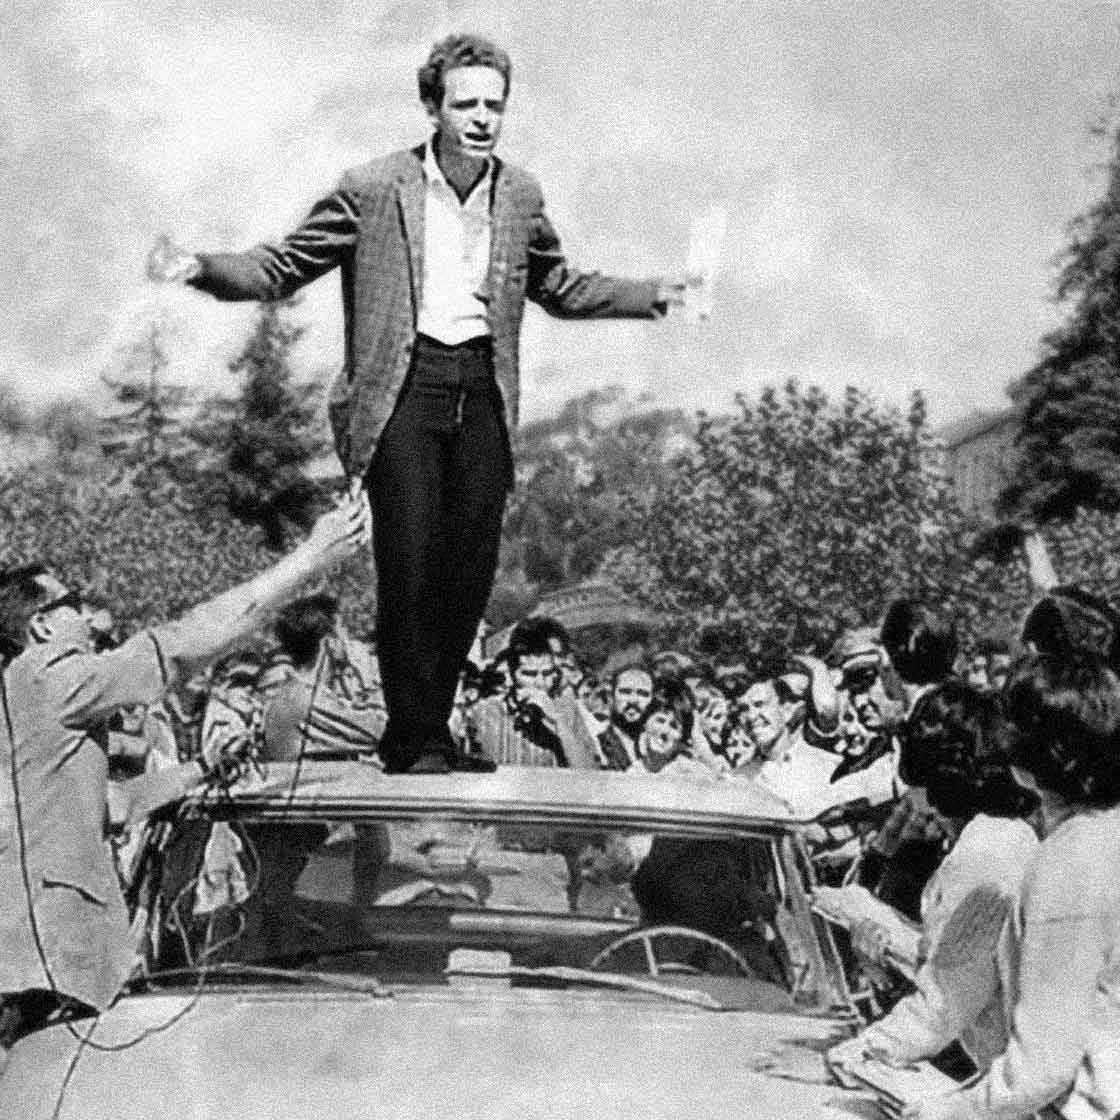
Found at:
[71, 599]
[860, 678]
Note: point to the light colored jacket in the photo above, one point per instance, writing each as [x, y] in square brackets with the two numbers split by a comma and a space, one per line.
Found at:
[1064, 1048]
[56, 848]
[970, 929]
[371, 227]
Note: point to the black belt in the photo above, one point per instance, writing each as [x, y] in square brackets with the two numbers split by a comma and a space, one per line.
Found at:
[480, 344]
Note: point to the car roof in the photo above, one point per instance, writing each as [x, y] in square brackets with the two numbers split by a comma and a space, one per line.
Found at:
[321, 787]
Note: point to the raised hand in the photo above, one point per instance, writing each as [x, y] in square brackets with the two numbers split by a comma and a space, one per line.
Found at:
[345, 529]
[169, 264]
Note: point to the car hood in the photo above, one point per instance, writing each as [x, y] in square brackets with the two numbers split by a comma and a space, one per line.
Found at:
[268, 1055]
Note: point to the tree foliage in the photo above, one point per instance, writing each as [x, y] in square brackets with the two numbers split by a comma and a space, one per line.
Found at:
[260, 441]
[1068, 453]
[148, 561]
[146, 435]
[153, 539]
[798, 516]
[584, 481]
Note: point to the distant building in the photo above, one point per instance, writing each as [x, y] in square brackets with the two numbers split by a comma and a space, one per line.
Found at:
[580, 605]
[978, 453]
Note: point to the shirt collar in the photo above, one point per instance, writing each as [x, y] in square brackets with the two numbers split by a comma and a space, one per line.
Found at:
[433, 173]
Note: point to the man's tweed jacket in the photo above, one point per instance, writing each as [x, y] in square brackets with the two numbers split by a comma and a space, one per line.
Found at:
[372, 227]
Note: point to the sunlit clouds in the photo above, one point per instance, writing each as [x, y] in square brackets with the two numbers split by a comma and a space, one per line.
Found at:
[899, 177]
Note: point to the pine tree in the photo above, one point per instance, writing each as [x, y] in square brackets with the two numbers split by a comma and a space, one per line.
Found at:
[148, 438]
[260, 441]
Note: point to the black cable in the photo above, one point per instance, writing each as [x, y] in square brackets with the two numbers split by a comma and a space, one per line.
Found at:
[304, 731]
[84, 1041]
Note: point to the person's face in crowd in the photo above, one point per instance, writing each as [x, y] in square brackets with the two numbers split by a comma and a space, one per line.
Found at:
[469, 119]
[568, 673]
[763, 716]
[600, 701]
[865, 707]
[713, 718]
[535, 672]
[662, 735]
[999, 668]
[976, 673]
[861, 723]
[595, 696]
[630, 699]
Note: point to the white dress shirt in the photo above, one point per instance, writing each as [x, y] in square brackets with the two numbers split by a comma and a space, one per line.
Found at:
[456, 257]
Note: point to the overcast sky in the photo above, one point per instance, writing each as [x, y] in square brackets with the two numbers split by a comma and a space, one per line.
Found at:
[899, 176]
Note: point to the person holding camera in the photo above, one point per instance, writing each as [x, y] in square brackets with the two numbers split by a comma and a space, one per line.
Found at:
[526, 725]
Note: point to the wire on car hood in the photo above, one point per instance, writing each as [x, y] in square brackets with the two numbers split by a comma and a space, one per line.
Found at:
[570, 975]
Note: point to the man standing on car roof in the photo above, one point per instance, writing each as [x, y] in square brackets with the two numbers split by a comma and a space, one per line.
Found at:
[64, 927]
[439, 247]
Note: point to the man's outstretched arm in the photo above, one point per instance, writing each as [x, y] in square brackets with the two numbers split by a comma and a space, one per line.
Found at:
[273, 270]
[89, 687]
[567, 293]
[222, 622]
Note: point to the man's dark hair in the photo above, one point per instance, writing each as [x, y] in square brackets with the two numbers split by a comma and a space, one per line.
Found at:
[1070, 619]
[673, 696]
[953, 745]
[992, 645]
[921, 644]
[301, 627]
[20, 597]
[630, 667]
[551, 628]
[1064, 717]
[459, 50]
[529, 638]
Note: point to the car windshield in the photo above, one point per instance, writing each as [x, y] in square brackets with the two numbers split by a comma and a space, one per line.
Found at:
[407, 899]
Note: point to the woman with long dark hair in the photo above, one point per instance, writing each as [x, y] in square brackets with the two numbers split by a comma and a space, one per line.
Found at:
[954, 752]
[1063, 1053]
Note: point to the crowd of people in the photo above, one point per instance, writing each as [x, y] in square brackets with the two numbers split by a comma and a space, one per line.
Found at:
[971, 787]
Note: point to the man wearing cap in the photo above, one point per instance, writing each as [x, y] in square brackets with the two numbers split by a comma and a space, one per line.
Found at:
[439, 247]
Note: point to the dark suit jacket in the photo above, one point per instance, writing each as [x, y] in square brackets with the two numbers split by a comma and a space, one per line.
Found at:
[615, 754]
[371, 227]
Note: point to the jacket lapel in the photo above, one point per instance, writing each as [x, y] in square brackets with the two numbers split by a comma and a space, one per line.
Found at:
[501, 226]
[410, 198]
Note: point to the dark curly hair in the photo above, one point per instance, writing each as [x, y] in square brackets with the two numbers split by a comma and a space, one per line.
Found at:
[953, 745]
[673, 696]
[302, 625]
[921, 644]
[459, 50]
[1064, 720]
[1071, 618]
[20, 597]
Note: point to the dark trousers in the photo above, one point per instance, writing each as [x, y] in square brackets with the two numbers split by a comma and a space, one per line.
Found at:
[437, 487]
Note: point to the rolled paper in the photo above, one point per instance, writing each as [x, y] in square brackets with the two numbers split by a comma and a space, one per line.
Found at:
[705, 252]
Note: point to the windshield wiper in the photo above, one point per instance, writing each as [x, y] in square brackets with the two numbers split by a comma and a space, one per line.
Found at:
[570, 975]
[370, 987]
